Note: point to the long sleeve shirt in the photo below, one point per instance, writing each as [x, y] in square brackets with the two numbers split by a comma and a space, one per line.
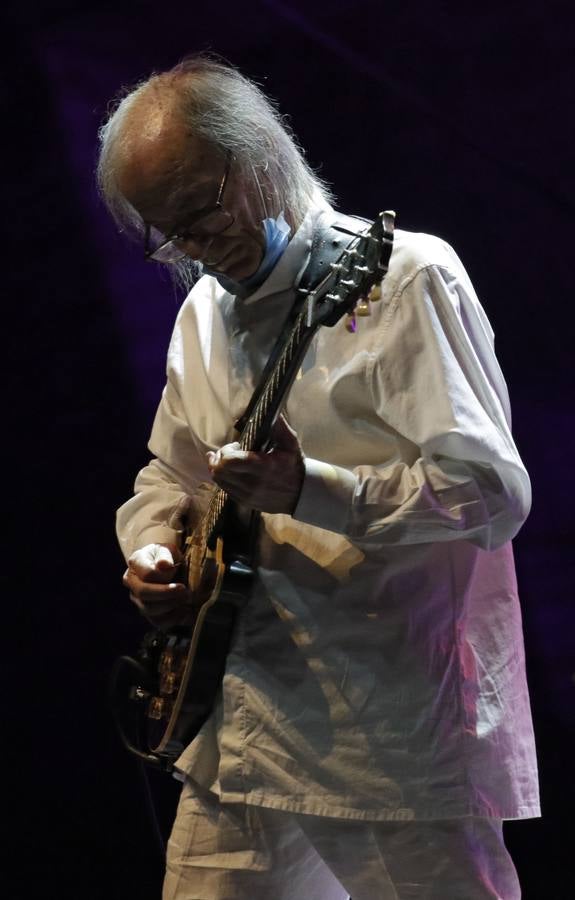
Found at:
[377, 670]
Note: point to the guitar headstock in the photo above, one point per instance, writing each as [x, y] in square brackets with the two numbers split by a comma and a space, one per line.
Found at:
[354, 281]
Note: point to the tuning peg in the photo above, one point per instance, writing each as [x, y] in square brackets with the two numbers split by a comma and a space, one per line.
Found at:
[388, 220]
[310, 306]
[362, 307]
[374, 294]
[350, 323]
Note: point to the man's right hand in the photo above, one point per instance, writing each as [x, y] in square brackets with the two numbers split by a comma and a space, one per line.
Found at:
[151, 578]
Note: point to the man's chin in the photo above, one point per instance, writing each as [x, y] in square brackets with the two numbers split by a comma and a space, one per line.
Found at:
[237, 265]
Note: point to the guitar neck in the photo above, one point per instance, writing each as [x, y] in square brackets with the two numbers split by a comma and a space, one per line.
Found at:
[257, 429]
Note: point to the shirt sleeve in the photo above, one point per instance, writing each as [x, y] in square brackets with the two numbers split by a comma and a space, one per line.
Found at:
[435, 380]
[172, 486]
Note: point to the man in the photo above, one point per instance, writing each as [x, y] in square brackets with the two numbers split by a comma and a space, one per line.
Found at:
[373, 728]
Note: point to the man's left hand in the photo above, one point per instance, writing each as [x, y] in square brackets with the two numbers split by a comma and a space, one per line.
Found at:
[270, 481]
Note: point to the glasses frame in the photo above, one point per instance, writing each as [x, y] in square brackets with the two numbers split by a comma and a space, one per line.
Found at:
[184, 235]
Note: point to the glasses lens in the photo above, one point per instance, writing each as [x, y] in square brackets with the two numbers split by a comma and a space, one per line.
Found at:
[167, 253]
[207, 225]
[158, 249]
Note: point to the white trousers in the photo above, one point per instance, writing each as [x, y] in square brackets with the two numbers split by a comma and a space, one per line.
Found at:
[236, 852]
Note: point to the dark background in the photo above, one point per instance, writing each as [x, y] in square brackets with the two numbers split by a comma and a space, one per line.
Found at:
[457, 115]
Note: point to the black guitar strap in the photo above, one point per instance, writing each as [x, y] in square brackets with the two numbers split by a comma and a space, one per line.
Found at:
[328, 243]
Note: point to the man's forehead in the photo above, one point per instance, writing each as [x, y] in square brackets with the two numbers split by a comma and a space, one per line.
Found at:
[161, 157]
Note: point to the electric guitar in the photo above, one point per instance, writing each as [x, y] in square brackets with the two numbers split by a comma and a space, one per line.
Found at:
[161, 698]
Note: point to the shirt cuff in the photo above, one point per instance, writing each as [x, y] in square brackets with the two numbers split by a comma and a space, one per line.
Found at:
[326, 496]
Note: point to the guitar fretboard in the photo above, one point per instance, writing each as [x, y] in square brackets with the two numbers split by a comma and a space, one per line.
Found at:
[255, 430]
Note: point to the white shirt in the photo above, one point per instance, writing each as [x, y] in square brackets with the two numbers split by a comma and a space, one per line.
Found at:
[377, 670]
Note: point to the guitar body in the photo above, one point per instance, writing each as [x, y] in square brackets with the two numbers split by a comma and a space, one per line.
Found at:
[189, 660]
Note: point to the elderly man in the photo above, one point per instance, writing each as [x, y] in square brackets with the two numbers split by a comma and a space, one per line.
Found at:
[373, 728]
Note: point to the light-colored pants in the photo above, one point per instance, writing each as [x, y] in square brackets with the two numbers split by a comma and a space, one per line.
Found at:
[235, 852]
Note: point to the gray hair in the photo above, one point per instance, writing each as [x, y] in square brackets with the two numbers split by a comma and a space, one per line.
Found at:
[218, 103]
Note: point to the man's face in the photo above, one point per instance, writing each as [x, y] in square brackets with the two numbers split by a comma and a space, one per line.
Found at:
[148, 179]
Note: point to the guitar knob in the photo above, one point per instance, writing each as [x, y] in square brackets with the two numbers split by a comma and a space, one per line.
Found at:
[166, 661]
[157, 708]
[362, 308]
[168, 683]
[374, 294]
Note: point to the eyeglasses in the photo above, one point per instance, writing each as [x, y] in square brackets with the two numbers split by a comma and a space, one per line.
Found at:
[207, 222]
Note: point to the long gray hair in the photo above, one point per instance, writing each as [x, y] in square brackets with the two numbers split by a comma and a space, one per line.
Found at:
[218, 103]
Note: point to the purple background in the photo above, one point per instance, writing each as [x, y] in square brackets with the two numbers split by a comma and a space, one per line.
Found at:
[459, 116]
